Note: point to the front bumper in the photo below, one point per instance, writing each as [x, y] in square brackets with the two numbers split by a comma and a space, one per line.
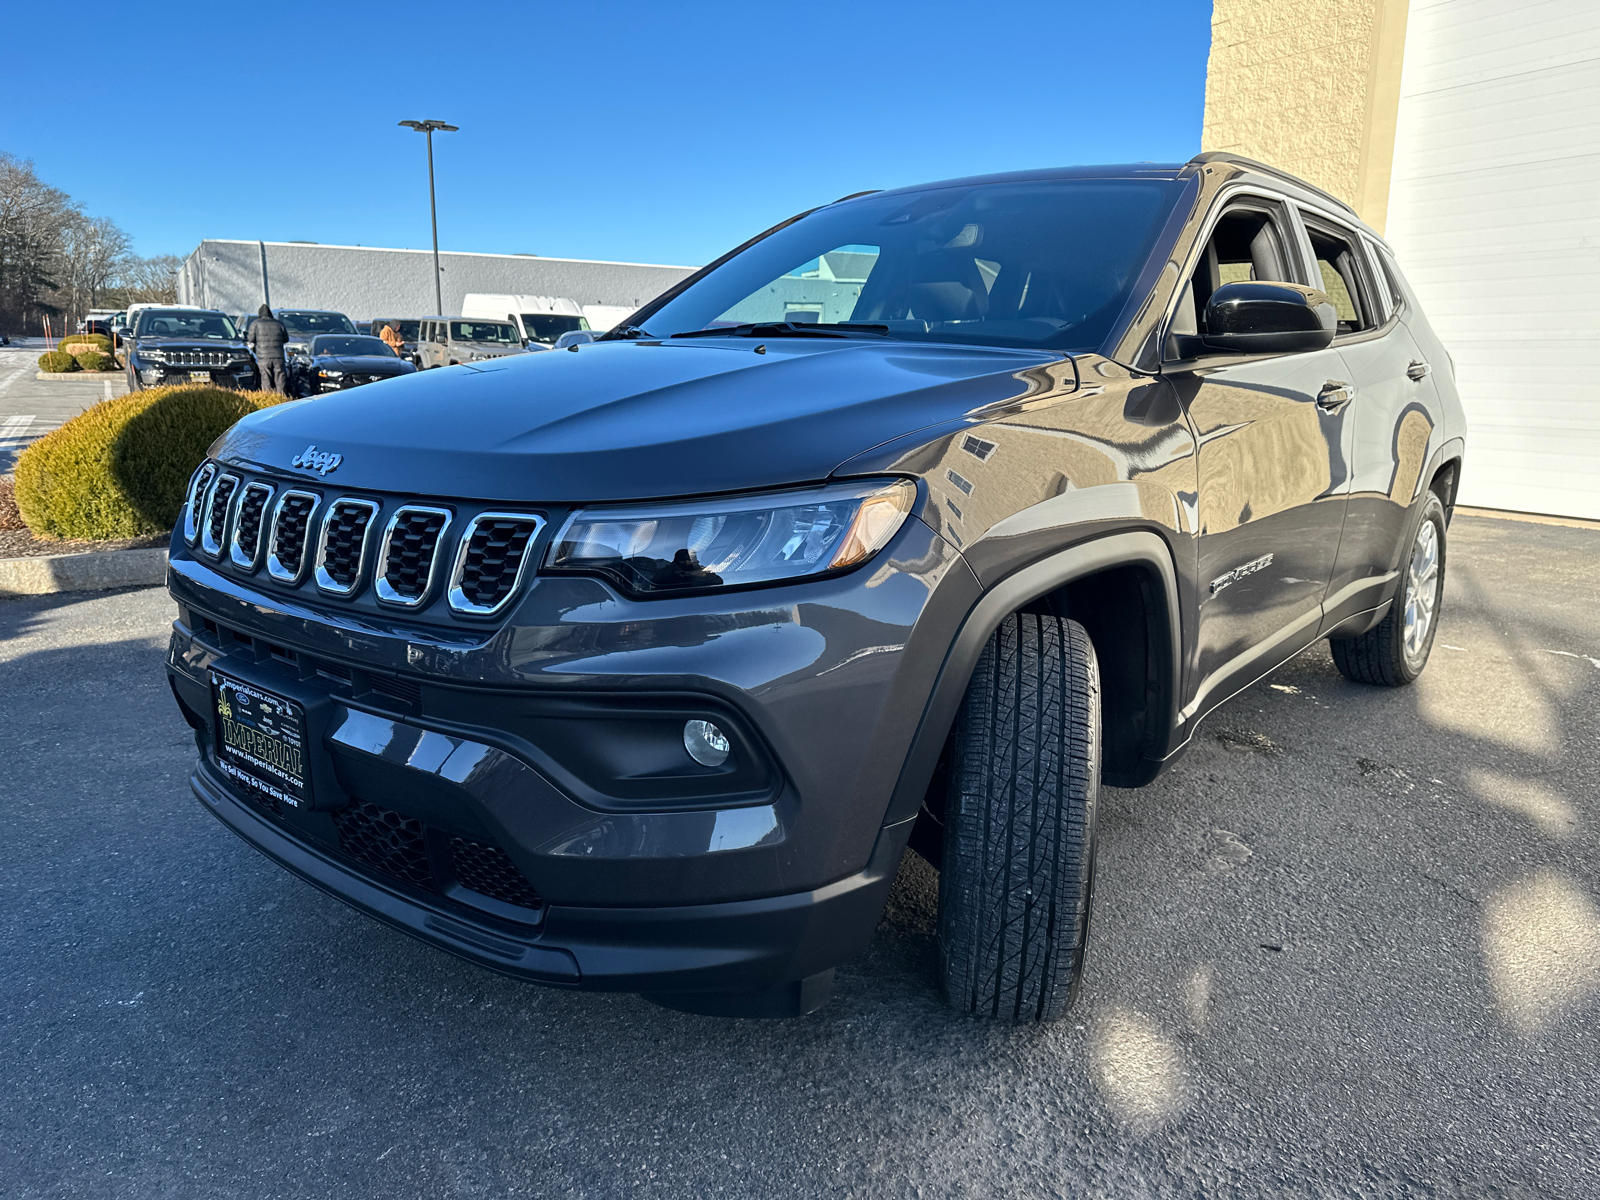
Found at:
[239, 376]
[738, 946]
[642, 885]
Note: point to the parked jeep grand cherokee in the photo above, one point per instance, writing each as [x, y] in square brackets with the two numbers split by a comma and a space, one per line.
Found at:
[637, 665]
[179, 344]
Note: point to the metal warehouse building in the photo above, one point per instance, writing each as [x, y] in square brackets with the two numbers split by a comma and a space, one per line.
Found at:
[368, 281]
[1468, 131]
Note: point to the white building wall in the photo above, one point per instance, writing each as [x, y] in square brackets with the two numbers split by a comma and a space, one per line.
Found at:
[1495, 214]
[367, 281]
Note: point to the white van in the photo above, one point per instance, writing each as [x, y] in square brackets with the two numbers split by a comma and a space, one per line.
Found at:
[602, 317]
[540, 319]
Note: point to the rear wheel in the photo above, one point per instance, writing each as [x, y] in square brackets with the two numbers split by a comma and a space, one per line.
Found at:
[1019, 826]
[1393, 652]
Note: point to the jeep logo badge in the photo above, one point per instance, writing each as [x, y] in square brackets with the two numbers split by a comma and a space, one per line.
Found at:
[316, 460]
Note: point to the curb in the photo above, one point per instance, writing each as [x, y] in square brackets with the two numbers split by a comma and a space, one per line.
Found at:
[92, 571]
[66, 375]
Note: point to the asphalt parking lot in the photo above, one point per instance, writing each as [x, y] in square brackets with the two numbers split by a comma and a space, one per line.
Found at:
[1349, 947]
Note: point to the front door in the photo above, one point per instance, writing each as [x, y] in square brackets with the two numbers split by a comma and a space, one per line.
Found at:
[1274, 439]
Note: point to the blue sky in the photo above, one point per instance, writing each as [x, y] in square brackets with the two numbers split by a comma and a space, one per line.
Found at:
[639, 132]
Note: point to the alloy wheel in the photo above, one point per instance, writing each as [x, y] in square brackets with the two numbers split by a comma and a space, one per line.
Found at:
[1422, 590]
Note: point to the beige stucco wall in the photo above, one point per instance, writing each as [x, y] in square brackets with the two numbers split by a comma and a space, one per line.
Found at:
[1310, 87]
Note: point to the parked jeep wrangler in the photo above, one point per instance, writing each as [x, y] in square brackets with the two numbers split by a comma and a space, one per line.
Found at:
[637, 665]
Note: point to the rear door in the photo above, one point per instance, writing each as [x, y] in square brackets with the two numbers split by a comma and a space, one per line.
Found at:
[1273, 463]
[1391, 415]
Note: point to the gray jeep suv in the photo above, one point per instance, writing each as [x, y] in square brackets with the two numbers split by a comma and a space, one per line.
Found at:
[637, 665]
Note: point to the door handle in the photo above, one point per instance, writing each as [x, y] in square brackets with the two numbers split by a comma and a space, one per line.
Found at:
[1335, 395]
[1418, 371]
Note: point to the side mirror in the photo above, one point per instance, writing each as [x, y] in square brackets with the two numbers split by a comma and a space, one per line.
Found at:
[1268, 318]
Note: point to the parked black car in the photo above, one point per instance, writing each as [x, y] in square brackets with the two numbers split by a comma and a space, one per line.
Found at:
[637, 665]
[335, 361]
[187, 345]
[303, 324]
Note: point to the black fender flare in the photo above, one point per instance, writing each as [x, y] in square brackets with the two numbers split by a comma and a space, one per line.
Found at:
[1138, 548]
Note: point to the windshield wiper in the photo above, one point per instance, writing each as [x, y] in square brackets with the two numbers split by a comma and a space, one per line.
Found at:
[770, 329]
[624, 333]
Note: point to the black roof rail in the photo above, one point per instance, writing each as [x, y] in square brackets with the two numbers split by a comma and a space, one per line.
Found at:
[1239, 160]
[853, 195]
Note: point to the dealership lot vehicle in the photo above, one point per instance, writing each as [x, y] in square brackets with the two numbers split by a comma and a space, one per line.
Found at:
[188, 345]
[335, 361]
[303, 324]
[539, 319]
[450, 341]
[911, 521]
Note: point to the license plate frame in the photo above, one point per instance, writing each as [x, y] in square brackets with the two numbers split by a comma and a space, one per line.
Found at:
[261, 740]
[199, 376]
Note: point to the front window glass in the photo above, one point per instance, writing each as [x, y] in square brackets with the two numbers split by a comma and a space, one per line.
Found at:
[1044, 265]
[168, 322]
[497, 332]
[350, 345]
[543, 327]
[309, 324]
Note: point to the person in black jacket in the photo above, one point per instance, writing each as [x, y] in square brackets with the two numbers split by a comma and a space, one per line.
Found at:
[266, 338]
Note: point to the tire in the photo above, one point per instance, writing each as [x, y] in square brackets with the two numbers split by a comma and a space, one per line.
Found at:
[1393, 652]
[1019, 825]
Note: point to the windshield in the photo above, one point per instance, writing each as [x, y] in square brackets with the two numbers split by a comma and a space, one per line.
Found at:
[498, 332]
[542, 327]
[169, 322]
[309, 324]
[1041, 265]
[350, 345]
[408, 329]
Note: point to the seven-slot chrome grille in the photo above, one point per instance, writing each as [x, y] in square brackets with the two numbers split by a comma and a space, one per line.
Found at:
[216, 515]
[290, 535]
[342, 548]
[245, 547]
[490, 561]
[409, 554]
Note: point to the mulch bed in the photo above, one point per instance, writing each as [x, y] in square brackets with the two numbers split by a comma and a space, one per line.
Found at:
[19, 543]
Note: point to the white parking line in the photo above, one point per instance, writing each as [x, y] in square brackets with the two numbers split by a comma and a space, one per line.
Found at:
[15, 427]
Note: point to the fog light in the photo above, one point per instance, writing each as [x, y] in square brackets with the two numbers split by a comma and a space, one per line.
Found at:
[706, 744]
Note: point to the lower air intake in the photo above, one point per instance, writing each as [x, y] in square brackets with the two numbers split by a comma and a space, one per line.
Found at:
[385, 841]
[489, 871]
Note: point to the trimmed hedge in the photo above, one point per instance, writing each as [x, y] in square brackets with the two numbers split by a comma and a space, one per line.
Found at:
[93, 360]
[120, 469]
[98, 340]
[57, 361]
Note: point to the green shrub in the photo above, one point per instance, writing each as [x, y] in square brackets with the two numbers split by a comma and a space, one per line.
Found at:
[57, 361]
[98, 340]
[93, 360]
[120, 469]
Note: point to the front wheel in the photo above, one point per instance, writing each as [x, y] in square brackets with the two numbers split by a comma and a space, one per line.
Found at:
[1019, 826]
[1393, 652]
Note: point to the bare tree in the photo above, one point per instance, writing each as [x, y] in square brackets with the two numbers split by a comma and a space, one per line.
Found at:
[33, 221]
[94, 254]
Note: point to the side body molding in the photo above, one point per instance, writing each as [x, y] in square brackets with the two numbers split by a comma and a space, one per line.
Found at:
[1138, 548]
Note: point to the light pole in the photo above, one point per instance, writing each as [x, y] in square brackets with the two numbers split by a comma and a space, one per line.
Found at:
[428, 127]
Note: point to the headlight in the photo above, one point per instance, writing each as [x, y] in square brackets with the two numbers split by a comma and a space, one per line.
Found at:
[159, 356]
[736, 541]
[327, 374]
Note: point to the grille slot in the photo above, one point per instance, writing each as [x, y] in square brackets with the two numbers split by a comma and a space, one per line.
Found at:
[407, 691]
[198, 484]
[216, 520]
[384, 840]
[489, 871]
[409, 553]
[245, 549]
[341, 550]
[289, 535]
[491, 561]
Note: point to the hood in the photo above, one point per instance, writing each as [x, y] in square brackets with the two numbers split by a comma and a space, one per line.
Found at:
[633, 420]
[371, 364]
